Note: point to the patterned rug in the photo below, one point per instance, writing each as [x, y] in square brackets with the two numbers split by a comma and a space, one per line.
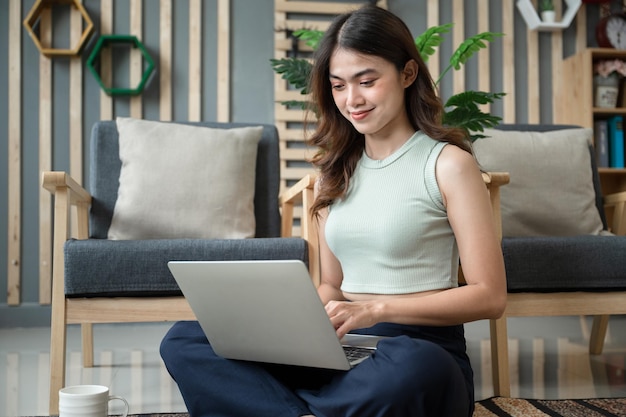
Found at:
[517, 407]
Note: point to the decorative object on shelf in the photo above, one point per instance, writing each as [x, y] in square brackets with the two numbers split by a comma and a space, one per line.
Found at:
[546, 8]
[611, 29]
[33, 19]
[606, 81]
[529, 13]
[461, 110]
[123, 40]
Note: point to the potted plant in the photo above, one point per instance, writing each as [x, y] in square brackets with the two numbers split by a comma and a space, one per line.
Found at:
[460, 110]
[608, 74]
[546, 8]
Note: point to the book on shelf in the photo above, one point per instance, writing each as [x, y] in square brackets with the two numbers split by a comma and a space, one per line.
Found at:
[600, 134]
[616, 141]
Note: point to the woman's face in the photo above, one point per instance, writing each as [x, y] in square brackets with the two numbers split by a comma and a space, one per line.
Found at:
[369, 91]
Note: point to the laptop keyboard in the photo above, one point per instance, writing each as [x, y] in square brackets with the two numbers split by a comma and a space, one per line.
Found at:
[357, 354]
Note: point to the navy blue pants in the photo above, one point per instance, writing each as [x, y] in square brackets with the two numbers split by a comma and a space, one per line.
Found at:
[418, 372]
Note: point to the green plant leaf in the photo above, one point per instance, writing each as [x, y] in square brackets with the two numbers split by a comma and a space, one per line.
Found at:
[462, 110]
[310, 37]
[428, 41]
[470, 97]
[470, 46]
[295, 103]
[467, 49]
[295, 70]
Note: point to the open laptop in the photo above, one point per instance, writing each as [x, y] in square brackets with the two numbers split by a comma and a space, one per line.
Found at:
[266, 311]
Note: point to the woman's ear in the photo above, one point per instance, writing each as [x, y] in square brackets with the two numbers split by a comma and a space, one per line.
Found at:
[409, 73]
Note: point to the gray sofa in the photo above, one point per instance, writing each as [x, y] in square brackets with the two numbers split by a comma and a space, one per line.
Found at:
[565, 263]
[98, 267]
[97, 280]
[581, 271]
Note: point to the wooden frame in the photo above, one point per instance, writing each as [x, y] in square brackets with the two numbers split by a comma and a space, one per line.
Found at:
[79, 39]
[68, 193]
[600, 305]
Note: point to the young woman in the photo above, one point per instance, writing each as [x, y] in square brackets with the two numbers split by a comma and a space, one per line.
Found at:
[400, 200]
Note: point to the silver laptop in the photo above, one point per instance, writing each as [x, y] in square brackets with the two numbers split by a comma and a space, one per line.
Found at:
[266, 311]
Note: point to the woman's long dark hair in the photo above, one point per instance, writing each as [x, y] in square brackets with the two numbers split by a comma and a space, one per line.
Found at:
[369, 30]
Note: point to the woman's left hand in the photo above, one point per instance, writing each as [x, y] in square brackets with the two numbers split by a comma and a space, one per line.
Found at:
[350, 315]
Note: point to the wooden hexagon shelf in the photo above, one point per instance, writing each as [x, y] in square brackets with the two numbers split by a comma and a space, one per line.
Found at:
[124, 40]
[529, 13]
[34, 16]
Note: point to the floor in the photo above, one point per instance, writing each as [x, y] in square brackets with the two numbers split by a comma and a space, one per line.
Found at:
[549, 359]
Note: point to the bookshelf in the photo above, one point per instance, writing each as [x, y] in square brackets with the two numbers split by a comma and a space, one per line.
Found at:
[578, 100]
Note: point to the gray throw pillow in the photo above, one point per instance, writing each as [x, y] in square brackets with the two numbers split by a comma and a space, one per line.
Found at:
[182, 181]
[551, 191]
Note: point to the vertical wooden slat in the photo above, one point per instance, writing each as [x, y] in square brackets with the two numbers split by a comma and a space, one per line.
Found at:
[45, 158]
[75, 122]
[223, 61]
[532, 69]
[14, 151]
[458, 36]
[76, 96]
[106, 27]
[484, 70]
[195, 60]
[432, 19]
[165, 60]
[508, 62]
[279, 86]
[581, 28]
[557, 66]
[136, 58]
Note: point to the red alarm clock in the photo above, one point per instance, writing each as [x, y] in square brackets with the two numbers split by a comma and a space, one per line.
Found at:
[611, 31]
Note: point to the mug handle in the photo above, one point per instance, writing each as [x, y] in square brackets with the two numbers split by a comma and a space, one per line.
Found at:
[114, 397]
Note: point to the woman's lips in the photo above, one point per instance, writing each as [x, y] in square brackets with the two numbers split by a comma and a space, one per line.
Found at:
[359, 115]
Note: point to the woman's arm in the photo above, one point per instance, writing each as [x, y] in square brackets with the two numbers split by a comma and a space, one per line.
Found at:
[331, 273]
[470, 216]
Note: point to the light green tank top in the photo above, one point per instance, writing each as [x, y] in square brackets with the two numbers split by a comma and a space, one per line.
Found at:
[391, 231]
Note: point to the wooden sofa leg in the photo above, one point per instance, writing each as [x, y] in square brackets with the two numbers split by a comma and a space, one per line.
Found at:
[598, 334]
[86, 330]
[500, 357]
[58, 337]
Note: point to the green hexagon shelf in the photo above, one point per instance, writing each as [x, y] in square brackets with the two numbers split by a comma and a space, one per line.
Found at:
[34, 16]
[129, 40]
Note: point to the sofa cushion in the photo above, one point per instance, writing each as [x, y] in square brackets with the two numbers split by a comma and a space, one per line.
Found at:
[182, 181]
[127, 268]
[551, 191]
[574, 263]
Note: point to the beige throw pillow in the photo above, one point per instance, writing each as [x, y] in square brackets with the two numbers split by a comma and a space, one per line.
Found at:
[551, 190]
[184, 181]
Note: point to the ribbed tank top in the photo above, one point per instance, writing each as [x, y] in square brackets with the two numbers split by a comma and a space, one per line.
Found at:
[391, 232]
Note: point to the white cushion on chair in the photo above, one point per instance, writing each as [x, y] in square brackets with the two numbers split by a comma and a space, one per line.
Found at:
[551, 190]
[182, 181]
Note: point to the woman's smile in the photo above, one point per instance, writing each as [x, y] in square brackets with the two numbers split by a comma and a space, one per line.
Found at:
[360, 114]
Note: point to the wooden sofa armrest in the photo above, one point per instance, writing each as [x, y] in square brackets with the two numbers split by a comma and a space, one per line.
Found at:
[617, 202]
[493, 181]
[302, 192]
[67, 192]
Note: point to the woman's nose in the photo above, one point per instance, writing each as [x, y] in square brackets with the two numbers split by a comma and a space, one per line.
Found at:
[354, 97]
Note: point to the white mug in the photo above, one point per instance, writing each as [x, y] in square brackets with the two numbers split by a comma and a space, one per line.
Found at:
[87, 401]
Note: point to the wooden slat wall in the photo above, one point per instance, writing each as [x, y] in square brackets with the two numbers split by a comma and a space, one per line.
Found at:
[288, 14]
[75, 113]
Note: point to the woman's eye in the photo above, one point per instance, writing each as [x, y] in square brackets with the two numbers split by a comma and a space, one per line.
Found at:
[367, 83]
[337, 86]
